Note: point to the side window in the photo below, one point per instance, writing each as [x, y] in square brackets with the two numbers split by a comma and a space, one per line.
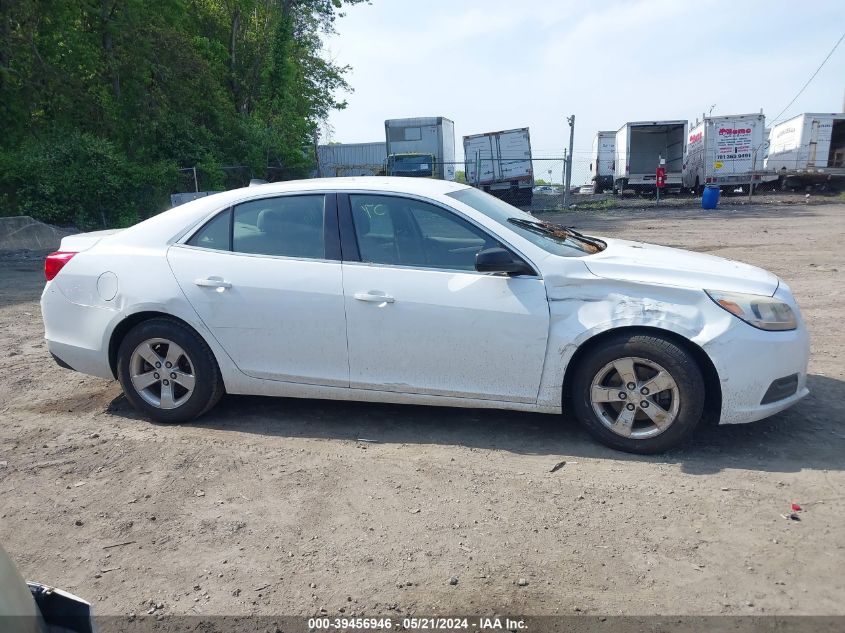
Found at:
[290, 226]
[408, 232]
[215, 233]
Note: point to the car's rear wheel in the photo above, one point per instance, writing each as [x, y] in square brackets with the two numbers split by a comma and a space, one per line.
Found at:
[638, 393]
[167, 371]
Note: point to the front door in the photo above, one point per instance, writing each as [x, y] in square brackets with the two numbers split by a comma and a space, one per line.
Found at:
[265, 278]
[421, 320]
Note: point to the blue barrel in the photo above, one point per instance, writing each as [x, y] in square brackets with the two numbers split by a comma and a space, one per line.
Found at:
[710, 197]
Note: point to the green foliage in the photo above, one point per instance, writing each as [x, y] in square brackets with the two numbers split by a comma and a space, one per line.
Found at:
[460, 176]
[77, 178]
[103, 100]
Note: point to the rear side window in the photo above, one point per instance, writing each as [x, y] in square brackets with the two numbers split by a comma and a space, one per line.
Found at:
[215, 234]
[289, 226]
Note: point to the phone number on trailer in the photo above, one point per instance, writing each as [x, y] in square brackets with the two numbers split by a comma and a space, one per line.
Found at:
[407, 624]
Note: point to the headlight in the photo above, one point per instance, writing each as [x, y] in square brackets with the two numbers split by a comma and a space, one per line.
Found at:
[765, 313]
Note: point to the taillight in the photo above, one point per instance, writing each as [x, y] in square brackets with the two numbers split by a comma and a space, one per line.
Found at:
[55, 262]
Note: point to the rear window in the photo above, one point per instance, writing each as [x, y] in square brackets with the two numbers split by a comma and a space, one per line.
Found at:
[216, 233]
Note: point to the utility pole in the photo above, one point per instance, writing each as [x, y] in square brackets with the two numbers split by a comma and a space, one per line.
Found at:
[571, 121]
[563, 172]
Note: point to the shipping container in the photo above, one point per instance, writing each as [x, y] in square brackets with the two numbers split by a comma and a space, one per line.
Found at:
[640, 147]
[603, 161]
[351, 159]
[421, 147]
[500, 164]
[808, 149]
[727, 151]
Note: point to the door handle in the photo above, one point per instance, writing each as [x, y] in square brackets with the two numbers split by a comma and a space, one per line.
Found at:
[213, 282]
[373, 297]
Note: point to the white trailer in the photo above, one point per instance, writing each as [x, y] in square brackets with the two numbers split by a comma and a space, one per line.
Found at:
[727, 151]
[421, 147]
[640, 147]
[500, 164]
[351, 159]
[603, 161]
[808, 149]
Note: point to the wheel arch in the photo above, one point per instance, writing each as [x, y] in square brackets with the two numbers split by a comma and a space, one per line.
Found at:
[125, 326]
[712, 385]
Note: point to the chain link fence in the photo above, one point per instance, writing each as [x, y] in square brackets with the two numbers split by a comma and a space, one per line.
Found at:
[543, 189]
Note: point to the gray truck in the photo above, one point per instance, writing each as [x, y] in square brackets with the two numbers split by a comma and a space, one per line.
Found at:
[500, 164]
[421, 147]
[351, 159]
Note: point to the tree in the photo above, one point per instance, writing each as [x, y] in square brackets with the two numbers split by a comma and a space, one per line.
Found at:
[460, 176]
[138, 88]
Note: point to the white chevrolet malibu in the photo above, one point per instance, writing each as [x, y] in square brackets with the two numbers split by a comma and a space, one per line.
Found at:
[424, 292]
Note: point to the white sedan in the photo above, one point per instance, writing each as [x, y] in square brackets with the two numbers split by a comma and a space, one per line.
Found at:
[424, 292]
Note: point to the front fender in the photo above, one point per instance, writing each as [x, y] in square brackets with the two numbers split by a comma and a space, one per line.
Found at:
[593, 306]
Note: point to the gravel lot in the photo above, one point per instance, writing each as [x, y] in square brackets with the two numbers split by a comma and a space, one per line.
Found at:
[275, 506]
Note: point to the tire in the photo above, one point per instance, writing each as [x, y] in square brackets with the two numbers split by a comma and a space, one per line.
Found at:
[198, 385]
[650, 354]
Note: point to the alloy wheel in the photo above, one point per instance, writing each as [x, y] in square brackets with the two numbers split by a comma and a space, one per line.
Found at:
[635, 397]
[162, 373]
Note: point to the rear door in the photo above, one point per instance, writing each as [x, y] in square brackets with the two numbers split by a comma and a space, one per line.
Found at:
[421, 320]
[266, 279]
[515, 155]
[480, 163]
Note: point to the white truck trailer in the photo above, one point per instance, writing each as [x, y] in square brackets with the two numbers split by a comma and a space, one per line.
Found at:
[727, 151]
[351, 159]
[603, 161]
[809, 150]
[500, 164]
[422, 147]
[640, 147]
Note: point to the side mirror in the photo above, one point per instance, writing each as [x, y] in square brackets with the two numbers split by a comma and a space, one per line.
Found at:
[499, 260]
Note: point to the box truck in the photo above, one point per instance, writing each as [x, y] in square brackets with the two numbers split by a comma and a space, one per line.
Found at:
[603, 161]
[422, 147]
[808, 150]
[727, 151]
[351, 159]
[500, 164]
[640, 147]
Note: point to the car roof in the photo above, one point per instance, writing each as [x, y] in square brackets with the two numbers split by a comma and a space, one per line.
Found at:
[421, 186]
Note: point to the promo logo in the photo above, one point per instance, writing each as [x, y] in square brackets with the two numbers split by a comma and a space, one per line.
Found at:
[727, 131]
[694, 138]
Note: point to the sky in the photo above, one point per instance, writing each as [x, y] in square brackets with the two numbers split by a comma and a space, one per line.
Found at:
[502, 64]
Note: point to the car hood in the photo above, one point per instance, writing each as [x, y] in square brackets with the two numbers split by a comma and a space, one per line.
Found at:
[648, 263]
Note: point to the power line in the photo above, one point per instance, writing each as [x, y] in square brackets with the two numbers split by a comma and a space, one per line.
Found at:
[813, 76]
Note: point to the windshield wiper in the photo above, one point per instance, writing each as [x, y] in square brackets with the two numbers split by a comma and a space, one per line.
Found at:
[555, 230]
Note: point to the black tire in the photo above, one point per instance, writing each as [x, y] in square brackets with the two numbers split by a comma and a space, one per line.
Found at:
[680, 365]
[208, 386]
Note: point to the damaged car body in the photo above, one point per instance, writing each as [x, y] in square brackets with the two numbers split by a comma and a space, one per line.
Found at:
[423, 292]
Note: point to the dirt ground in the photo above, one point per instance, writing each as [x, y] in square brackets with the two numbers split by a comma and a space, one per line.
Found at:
[274, 506]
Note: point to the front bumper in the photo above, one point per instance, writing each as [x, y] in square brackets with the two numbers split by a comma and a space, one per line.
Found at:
[749, 361]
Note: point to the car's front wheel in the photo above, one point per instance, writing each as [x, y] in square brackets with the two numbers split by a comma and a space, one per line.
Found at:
[167, 371]
[638, 393]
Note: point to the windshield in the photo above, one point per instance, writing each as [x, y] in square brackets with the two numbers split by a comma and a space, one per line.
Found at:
[419, 165]
[552, 238]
